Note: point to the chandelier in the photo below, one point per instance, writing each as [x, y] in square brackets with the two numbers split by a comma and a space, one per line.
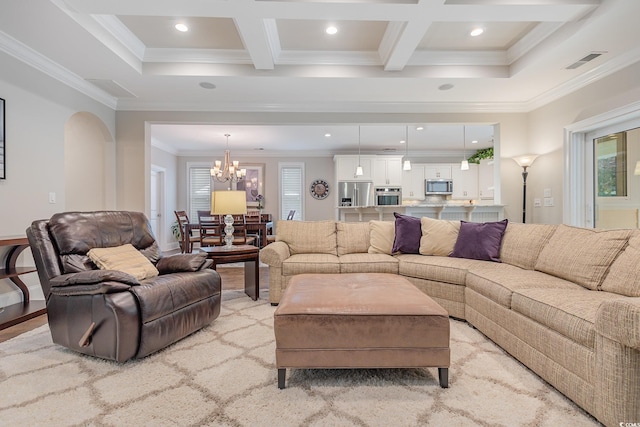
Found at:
[230, 171]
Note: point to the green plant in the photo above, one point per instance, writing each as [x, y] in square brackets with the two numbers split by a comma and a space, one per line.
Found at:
[483, 153]
[175, 230]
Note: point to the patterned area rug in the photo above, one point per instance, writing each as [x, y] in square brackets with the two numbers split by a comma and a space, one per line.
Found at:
[225, 375]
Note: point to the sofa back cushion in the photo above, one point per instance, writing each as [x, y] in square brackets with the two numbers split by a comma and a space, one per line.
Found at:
[381, 237]
[624, 275]
[581, 255]
[438, 236]
[76, 233]
[308, 237]
[522, 243]
[352, 237]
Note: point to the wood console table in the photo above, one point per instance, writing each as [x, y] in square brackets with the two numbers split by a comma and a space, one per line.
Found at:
[11, 248]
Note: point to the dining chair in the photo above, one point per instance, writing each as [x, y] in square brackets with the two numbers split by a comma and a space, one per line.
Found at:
[240, 236]
[210, 229]
[256, 233]
[292, 213]
[187, 236]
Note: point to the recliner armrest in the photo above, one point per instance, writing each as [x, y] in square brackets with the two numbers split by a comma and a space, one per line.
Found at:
[182, 263]
[90, 277]
[90, 289]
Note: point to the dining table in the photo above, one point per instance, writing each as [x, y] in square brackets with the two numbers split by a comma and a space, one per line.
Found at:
[263, 227]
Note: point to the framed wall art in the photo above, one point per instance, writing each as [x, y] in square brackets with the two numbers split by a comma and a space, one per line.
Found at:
[253, 184]
[3, 167]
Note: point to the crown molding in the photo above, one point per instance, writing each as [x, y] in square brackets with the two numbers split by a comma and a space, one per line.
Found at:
[24, 53]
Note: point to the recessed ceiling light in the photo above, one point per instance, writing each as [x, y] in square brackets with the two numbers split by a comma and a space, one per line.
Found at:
[402, 141]
[420, 128]
[445, 86]
[331, 30]
[327, 135]
[475, 141]
[207, 85]
[476, 32]
[181, 27]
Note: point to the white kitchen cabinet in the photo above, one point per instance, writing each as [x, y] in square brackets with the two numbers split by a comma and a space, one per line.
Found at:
[346, 168]
[465, 183]
[485, 179]
[413, 182]
[437, 171]
[387, 170]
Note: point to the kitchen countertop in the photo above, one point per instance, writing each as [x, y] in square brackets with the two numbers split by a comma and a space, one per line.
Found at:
[425, 205]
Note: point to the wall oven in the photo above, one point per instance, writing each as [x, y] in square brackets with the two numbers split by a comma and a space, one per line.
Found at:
[388, 196]
[438, 186]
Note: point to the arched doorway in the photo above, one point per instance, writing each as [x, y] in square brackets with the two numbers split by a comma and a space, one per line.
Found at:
[89, 164]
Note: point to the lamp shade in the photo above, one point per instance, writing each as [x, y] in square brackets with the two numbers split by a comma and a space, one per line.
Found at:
[228, 203]
[525, 160]
[636, 171]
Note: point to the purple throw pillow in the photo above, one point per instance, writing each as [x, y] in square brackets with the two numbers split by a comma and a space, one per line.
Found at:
[408, 234]
[480, 240]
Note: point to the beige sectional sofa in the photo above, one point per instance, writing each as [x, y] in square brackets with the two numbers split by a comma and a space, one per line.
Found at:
[565, 301]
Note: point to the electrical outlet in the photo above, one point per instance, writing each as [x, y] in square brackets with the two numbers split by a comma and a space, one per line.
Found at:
[548, 201]
[537, 203]
[52, 197]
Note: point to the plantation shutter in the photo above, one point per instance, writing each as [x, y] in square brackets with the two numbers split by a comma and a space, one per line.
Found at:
[199, 191]
[291, 191]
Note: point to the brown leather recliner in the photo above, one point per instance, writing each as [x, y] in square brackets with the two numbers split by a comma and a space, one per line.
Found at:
[111, 314]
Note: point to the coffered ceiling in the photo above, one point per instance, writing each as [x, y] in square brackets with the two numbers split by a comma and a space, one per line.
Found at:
[387, 56]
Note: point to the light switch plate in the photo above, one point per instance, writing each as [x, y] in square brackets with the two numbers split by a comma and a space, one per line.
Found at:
[548, 201]
[537, 203]
[52, 197]
[547, 192]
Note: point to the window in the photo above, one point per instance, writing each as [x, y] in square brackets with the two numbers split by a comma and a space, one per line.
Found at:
[611, 165]
[199, 190]
[291, 189]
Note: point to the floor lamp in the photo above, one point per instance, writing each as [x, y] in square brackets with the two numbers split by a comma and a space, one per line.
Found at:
[228, 203]
[525, 161]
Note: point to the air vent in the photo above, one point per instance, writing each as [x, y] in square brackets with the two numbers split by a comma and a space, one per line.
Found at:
[582, 61]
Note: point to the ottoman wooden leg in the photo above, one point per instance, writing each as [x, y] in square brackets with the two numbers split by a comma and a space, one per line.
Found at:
[443, 374]
[281, 378]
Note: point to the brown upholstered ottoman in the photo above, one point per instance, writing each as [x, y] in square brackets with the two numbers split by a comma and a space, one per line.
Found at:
[359, 320]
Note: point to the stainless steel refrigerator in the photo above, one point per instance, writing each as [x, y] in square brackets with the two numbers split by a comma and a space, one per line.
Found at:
[355, 193]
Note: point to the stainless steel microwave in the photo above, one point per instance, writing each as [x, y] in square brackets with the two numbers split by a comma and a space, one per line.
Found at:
[438, 186]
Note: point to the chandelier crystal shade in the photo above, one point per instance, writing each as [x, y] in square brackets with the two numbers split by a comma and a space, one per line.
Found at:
[231, 171]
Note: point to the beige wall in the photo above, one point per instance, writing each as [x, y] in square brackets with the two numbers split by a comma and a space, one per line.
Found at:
[37, 109]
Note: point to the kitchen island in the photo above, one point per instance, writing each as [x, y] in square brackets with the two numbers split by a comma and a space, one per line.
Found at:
[450, 211]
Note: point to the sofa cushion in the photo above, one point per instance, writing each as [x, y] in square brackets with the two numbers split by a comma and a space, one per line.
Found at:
[310, 263]
[499, 283]
[522, 243]
[570, 312]
[438, 236]
[480, 241]
[624, 275]
[352, 237]
[368, 263]
[436, 268]
[408, 233]
[381, 237]
[125, 258]
[308, 237]
[581, 255]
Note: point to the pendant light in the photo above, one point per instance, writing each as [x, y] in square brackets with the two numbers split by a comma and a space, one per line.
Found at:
[359, 171]
[406, 166]
[464, 165]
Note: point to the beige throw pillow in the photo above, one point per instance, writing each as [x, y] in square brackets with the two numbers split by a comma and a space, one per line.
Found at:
[581, 255]
[438, 236]
[123, 258]
[381, 237]
[624, 275]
